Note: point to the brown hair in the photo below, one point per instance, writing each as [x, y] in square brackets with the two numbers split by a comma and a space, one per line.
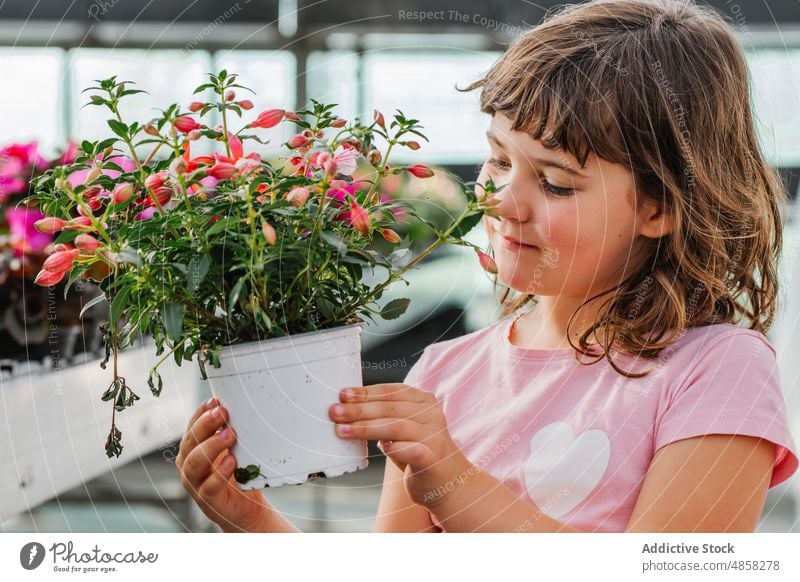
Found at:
[660, 87]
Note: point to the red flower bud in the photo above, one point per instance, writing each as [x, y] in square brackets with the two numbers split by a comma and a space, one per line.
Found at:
[390, 235]
[86, 243]
[338, 122]
[377, 116]
[185, 124]
[487, 263]
[246, 104]
[155, 180]
[420, 171]
[359, 218]
[412, 145]
[48, 278]
[297, 141]
[163, 195]
[268, 118]
[195, 106]
[122, 193]
[60, 261]
[151, 129]
[298, 196]
[78, 223]
[230, 95]
[269, 233]
[291, 116]
[222, 171]
[49, 225]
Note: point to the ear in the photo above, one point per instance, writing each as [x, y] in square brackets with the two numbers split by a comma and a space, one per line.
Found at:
[654, 221]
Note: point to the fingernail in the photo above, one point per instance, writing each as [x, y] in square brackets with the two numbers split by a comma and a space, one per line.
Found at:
[216, 412]
[210, 402]
[226, 434]
[345, 429]
[228, 463]
[338, 409]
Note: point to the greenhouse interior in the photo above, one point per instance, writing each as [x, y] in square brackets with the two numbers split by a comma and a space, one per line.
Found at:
[265, 202]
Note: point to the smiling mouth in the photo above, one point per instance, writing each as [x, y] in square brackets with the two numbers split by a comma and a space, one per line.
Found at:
[510, 243]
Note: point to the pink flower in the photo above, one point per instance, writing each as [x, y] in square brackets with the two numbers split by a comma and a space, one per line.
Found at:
[81, 176]
[21, 227]
[346, 160]
[147, 213]
[390, 235]
[269, 233]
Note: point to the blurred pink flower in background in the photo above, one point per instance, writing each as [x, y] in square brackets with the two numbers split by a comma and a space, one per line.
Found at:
[24, 237]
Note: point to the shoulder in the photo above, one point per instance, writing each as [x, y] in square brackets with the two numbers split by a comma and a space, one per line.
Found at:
[472, 344]
[696, 345]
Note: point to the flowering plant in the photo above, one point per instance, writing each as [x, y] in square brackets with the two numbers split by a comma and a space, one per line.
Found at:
[209, 250]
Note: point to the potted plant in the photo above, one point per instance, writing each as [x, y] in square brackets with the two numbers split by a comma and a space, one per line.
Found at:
[253, 267]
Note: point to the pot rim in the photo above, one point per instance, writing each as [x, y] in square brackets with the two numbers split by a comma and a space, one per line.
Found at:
[290, 341]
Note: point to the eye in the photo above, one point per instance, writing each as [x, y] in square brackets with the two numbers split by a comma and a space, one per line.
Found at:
[498, 163]
[557, 190]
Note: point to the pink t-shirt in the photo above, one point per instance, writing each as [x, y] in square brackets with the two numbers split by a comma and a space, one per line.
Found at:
[577, 440]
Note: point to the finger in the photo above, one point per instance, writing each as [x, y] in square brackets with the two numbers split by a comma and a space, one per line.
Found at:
[373, 410]
[199, 462]
[390, 429]
[207, 405]
[205, 426]
[408, 453]
[219, 478]
[378, 392]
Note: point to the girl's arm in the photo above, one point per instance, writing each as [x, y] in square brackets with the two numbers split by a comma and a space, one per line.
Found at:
[396, 511]
[715, 483]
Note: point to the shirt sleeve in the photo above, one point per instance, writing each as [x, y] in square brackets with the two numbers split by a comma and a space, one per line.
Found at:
[733, 389]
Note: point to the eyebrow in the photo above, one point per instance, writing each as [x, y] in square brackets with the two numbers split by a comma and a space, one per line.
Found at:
[541, 161]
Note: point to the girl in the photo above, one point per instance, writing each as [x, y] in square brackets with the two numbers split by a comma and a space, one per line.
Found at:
[639, 220]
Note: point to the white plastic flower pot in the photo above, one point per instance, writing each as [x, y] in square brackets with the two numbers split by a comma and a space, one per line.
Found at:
[277, 393]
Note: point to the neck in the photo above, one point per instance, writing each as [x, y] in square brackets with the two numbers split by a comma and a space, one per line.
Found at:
[546, 325]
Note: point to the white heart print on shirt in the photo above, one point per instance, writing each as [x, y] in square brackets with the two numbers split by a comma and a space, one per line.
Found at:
[562, 469]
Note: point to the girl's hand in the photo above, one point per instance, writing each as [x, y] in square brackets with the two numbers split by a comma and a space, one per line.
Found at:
[206, 468]
[412, 432]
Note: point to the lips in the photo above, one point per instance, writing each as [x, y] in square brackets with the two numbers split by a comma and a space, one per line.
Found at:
[514, 241]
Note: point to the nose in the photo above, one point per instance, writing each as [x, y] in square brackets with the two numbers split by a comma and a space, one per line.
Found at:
[513, 202]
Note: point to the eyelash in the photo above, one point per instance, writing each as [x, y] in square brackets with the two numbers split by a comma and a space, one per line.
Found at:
[550, 188]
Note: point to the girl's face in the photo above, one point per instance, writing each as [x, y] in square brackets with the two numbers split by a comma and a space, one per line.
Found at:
[563, 229]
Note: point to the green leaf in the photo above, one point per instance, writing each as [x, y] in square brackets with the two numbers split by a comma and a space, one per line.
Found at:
[467, 224]
[119, 303]
[92, 303]
[155, 382]
[129, 255]
[172, 318]
[118, 127]
[236, 292]
[395, 308]
[333, 240]
[197, 271]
